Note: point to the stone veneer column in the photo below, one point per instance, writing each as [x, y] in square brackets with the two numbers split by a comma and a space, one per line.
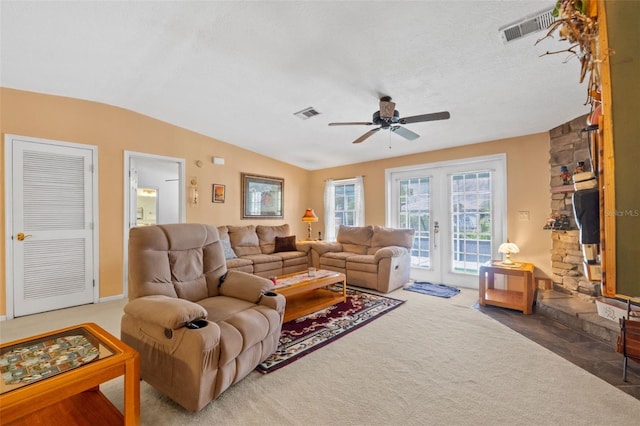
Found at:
[567, 147]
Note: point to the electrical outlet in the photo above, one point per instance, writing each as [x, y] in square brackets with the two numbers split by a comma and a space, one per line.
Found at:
[523, 216]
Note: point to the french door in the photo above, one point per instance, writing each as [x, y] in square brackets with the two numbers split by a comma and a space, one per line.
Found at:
[457, 210]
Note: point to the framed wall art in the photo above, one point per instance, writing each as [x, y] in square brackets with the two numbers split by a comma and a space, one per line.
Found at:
[218, 193]
[262, 197]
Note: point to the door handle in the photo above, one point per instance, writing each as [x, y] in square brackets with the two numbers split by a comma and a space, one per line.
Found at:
[21, 236]
[436, 229]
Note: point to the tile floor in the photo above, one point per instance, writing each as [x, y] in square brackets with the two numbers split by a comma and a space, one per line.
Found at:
[598, 357]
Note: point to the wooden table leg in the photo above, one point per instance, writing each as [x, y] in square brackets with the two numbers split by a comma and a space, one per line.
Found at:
[132, 391]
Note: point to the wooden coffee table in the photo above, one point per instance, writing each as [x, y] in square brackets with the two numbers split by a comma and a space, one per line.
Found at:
[306, 294]
[66, 390]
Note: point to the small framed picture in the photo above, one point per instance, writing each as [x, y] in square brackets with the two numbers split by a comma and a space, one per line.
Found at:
[218, 193]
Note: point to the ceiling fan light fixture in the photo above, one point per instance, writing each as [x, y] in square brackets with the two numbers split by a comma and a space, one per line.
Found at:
[388, 118]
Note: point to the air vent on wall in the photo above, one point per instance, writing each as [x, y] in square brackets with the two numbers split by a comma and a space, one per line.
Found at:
[527, 25]
[306, 113]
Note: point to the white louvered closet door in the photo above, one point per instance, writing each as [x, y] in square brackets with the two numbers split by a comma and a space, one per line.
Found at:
[52, 206]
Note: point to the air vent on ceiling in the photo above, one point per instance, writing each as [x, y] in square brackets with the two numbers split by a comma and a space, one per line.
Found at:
[527, 25]
[306, 113]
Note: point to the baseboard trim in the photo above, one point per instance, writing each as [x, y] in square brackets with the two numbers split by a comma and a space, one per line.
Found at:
[111, 298]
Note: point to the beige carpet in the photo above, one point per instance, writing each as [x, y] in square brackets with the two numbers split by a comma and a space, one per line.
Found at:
[432, 361]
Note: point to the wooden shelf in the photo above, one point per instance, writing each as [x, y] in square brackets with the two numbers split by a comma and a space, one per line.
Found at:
[562, 188]
[87, 408]
[503, 298]
[311, 301]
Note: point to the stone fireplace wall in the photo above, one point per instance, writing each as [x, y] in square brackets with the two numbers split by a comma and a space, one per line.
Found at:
[568, 146]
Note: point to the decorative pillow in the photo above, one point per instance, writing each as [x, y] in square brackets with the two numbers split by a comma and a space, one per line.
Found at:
[228, 251]
[285, 244]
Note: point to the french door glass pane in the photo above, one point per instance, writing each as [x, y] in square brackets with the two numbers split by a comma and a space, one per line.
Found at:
[470, 221]
[415, 211]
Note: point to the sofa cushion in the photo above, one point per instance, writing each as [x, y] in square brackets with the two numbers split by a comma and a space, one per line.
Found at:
[245, 265]
[244, 240]
[187, 274]
[385, 237]
[267, 236]
[335, 259]
[285, 244]
[220, 308]
[355, 239]
[264, 262]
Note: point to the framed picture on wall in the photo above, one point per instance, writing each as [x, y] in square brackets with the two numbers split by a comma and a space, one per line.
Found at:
[262, 197]
[218, 193]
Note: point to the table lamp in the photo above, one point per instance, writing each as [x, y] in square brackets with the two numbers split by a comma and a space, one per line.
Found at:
[309, 217]
[508, 248]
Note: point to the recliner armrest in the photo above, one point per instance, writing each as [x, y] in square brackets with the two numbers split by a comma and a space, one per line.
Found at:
[245, 286]
[274, 301]
[390, 251]
[165, 311]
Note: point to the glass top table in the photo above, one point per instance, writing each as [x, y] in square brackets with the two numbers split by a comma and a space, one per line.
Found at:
[44, 375]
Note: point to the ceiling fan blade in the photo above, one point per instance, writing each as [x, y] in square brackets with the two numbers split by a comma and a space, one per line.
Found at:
[444, 115]
[352, 123]
[366, 135]
[405, 133]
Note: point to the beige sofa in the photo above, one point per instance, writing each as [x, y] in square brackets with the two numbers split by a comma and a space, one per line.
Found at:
[263, 250]
[373, 257]
[198, 328]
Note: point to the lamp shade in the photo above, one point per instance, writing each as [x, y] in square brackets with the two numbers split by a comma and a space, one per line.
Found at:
[309, 216]
[508, 248]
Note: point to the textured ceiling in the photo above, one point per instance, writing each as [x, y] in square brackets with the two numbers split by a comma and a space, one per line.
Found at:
[237, 71]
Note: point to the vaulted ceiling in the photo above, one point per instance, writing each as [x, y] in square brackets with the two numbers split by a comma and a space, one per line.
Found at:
[238, 70]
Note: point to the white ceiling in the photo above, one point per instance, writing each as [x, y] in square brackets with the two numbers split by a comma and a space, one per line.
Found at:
[238, 70]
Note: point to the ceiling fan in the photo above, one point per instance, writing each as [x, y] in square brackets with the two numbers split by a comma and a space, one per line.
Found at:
[388, 118]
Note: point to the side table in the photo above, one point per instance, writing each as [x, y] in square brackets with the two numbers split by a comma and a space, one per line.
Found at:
[505, 298]
[62, 386]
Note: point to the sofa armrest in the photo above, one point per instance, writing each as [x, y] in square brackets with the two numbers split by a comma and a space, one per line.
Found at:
[322, 247]
[245, 286]
[167, 312]
[391, 251]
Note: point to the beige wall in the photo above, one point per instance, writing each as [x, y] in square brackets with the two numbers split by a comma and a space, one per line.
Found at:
[527, 189]
[114, 130]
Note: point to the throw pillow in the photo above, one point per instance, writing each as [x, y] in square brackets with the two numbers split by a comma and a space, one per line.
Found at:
[285, 244]
[228, 251]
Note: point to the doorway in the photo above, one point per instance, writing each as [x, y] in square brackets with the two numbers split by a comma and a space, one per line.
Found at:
[51, 218]
[153, 194]
[457, 210]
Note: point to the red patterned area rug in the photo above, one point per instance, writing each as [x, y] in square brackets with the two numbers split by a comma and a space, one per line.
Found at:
[306, 334]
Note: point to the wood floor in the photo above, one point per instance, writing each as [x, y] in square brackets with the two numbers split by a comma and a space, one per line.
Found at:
[593, 355]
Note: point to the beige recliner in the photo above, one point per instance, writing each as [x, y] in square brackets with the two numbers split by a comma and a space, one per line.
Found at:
[198, 329]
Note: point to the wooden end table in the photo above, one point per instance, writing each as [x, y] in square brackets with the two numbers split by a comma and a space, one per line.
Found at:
[67, 390]
[505, 298]
[306, 294]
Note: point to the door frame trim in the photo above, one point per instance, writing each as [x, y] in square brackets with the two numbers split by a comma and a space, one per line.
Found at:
[501, 176]
[127, 201]
[8, 213]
